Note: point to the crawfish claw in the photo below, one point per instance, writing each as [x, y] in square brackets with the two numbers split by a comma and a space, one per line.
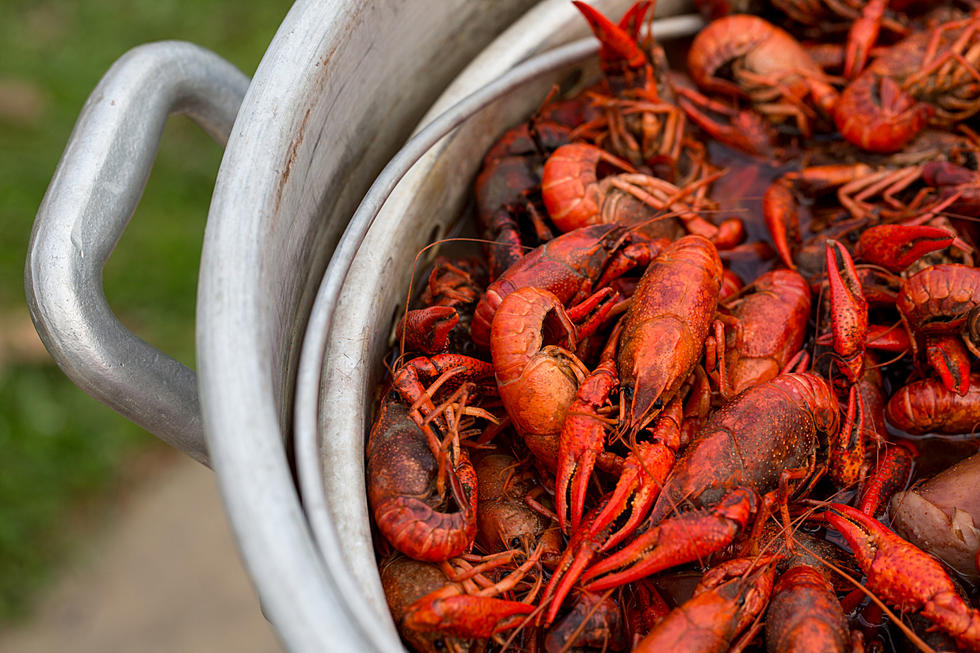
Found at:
[617, 43]
[849, 309]
[905, 576]
[677, 540]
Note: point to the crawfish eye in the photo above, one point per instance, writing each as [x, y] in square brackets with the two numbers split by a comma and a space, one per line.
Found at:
[439, 645]
[658, 404]
[393, 396]
[515, 542]
[627, 392]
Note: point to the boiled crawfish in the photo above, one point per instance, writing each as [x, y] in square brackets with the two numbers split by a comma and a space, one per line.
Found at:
[402, 493]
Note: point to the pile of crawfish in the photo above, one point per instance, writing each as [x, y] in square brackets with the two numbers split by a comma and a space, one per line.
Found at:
[720, 318]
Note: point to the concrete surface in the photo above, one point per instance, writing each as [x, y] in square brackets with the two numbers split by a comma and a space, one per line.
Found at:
[162, 576]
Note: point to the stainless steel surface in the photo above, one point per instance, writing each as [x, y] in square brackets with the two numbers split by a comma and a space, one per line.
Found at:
[364, 290]
[338, 91]
[95, 189]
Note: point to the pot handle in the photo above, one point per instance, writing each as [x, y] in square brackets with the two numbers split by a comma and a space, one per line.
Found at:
[95, 189]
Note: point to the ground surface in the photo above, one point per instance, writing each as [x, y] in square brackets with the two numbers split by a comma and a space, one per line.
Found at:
[163, 575]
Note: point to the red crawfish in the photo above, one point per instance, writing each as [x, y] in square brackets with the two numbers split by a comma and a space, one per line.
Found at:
[465, 611]
[930, 76]
[904, 576]
[762, 439]
[401, 487]
[532, 343]
[927, 406]
[726, 601]
[765, 64]
[943, 299]
[576, 197]
[571, 267]
[770, 324]
[453, 288]
[642, 122]
[804, 614]
[508, 188]
[665, 328]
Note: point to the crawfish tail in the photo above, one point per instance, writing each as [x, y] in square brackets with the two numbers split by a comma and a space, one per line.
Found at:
[926, 406]
[401, 473]
[720, 42]
[804, 614]
[940, 298]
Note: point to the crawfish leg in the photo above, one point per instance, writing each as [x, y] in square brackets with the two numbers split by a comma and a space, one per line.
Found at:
[685, 538]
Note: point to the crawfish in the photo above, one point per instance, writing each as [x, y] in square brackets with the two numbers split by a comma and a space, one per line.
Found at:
[758, 441]
[904, 576]
[643, 123]
[768, 66]
[459, 610]
[570, 266]
[451, 293]
[943, 299]
[725, 602]
[401, 474]
[575, 197]
[929, 77]
[927, 406]
[508, 186]
[770, 327]
[804, 614]
[531, 343]
[665, 328]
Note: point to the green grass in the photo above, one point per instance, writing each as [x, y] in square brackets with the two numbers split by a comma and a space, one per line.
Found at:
[61, 448]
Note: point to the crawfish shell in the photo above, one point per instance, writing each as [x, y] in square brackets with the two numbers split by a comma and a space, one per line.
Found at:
[666, 324]
[748, 442]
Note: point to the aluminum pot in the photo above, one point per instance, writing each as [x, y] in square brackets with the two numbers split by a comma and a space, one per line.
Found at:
[328, 106]
[341, 86]
[365, 286]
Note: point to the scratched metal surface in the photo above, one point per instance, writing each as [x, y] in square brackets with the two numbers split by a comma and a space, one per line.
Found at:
[334, 416]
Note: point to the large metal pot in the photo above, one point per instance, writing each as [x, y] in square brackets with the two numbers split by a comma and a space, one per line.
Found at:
[338, 91]
[364, 289]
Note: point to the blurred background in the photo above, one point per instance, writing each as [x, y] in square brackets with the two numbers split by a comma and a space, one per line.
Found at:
[108, 539]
